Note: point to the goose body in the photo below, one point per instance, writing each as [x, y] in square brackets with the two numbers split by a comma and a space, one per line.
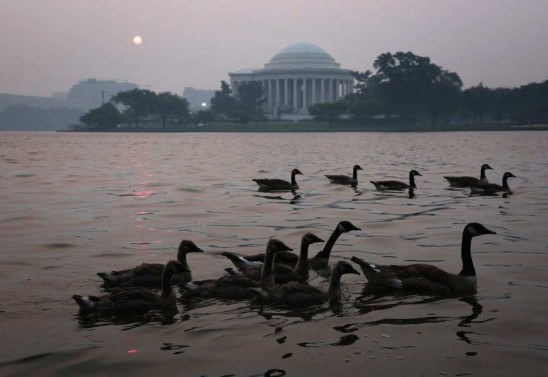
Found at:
[238, 286]
[282, 272]
[150, 274]
[275, 184]
[397, 185]
[321, 259]
[466, 181]
[296, 293]
[130, 299]
[345, 179]
[492, 188]
[425, 278]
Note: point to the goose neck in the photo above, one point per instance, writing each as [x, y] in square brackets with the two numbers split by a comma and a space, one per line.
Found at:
[302, 263]
[466, 255]
[412, 180]
[329, 244]
[335, 284]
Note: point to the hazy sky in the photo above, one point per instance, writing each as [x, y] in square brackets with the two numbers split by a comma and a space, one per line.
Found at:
[49, 45]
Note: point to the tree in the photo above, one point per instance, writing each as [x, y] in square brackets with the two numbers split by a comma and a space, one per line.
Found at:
[169, 106]
[203, 116]
[251, 100]
[478, 100]
[328, 111]
[138, 104]
[224, 103]
[104, 117]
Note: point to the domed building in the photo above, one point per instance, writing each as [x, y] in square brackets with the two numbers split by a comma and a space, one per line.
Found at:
[297, 77]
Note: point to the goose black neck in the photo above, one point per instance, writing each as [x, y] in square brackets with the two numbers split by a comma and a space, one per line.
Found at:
[355, 173]
[293, 181]
[412, 180]
[505, 182]
[181, 258]
[482, 174]
[267, 272]
[302, 263]
[466, 255]
[166, 281]
[329, 244]
[335, 283]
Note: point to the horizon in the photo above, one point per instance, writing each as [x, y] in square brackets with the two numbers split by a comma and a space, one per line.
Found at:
[48, 47]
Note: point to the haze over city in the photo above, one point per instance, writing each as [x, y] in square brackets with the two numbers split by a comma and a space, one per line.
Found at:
[49, 46]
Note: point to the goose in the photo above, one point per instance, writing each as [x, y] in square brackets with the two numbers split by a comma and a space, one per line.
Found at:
[130, 299]
[282, 273]
[397, 185]
[425, 278]
[345, 179]
[320, 261]
[274, 184]
[296, 293]
[236, 286]
[492, 188]
[150, 274]
[466, 181]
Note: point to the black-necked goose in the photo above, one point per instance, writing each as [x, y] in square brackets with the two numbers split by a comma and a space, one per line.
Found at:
[296, 293]
[282, 272]
[150, 274]
[237, 287]
[425, 278]
[274, 184]
[397, 185]
[345, 179]
[130, 299]
[492, 188]
[321, 259]
[466, 181]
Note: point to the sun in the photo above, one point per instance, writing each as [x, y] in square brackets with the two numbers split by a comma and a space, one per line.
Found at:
[137, 40]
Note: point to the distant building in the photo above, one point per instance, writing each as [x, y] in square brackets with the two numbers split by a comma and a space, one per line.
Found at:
[198, 99]
[93, 93]
[33, 101]
[298, 76]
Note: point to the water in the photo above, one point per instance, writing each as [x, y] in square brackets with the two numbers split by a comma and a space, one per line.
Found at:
[76, 204]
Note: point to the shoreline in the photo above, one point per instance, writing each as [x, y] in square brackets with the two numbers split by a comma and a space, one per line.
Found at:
[320, 127]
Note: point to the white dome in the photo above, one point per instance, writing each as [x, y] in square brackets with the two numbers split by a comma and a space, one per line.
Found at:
[302, 55]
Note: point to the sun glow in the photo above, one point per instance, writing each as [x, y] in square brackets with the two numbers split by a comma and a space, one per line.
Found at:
[137, 40]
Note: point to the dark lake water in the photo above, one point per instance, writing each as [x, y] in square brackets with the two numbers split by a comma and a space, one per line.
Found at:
[73, 204]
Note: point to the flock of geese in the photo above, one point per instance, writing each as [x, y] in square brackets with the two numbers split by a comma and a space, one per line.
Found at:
[477, 185]
[280, 276]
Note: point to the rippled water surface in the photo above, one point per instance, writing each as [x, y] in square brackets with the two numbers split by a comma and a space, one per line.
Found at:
[76, 204]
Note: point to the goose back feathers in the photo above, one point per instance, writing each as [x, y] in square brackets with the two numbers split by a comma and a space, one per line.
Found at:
[493, 188]
[345, 179]
[275, 184]
[150, 274]
[397, 185]
[129, 299]
[467, 181]
[425, 278]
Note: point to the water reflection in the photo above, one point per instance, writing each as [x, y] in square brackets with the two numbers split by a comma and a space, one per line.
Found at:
[88, 320]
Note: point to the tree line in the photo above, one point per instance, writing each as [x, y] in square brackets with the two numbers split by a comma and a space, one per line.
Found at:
[404, 88]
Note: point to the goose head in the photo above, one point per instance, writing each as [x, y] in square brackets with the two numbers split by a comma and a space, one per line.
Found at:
[357, 167]
[508, 175]
[274, 245]
[346, 226]
[187, 246]
[486, 167]
[310, 238]
[414, 173]
[476, 229]
[296, 171]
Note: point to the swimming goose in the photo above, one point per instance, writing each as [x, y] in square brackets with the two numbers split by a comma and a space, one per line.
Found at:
[130, 299]
[397, 185]
[150, 274]
[492, 188]
[425, 278]
[296, 293]
[321, 259]
[282, 272]
[274, 184]
[466, 181]
[237, 287]
[345, 179]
